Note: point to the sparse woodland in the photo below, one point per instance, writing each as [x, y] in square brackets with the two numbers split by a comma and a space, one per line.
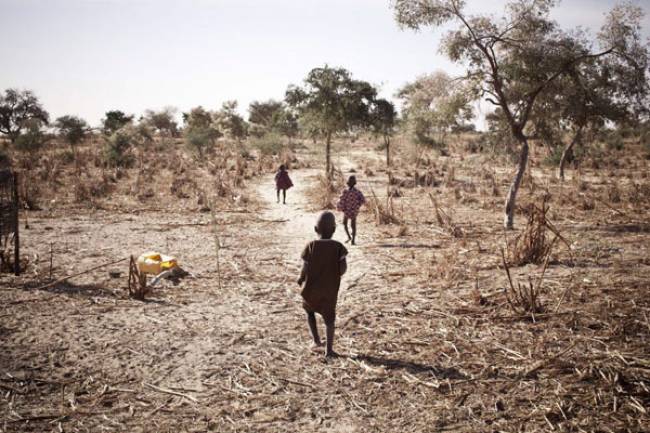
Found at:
[500, 282]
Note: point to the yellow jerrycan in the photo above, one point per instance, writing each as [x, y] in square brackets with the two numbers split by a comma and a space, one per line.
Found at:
[154, 263]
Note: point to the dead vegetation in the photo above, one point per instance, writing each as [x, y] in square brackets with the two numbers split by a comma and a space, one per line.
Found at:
[533, 245]
[436, 332]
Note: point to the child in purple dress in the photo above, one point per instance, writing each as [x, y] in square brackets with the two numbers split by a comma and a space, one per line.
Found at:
[282, 183]
[349, 203]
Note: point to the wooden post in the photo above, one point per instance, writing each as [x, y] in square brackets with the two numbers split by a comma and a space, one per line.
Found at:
[16, 235]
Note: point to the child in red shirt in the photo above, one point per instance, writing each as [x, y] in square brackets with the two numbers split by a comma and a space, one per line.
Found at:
[350, 201]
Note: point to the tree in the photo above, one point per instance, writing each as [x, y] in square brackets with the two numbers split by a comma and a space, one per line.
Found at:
[611, 89]
[200, 130]
[383, 117]
[72, 129]
[286, 123]
[510, 61]
[263, 113]
[230, 122]
[434, 105]
[162, 121]
[272, 116]
[17, 109]
[331, 102]
[115, 120]
[32, 138]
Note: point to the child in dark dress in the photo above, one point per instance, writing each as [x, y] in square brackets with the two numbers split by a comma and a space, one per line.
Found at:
[324, 262]
[282, 183]
[350, 201]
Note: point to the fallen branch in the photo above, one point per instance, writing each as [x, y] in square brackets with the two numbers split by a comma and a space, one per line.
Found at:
[61, 280]
[170, 392]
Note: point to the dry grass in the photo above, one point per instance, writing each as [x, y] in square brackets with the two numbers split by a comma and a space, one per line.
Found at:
[533, 244]
[384, 212]
[445, 220]
[325, 192]
[428, 337]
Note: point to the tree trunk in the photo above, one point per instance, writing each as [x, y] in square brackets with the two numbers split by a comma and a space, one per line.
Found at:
[514, 187]
[567, 151]
[328, 143]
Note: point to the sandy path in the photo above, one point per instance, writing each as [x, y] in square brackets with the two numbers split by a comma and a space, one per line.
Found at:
[298, 219]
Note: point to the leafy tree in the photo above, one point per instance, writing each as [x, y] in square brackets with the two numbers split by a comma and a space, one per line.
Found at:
[511, 61]
[382, 119]
[32, 139]
[72, 129]
[115, 120]
[162, 121]
[200, 130]
[286, 123]
[230, 122]
[17, 109]
[331, 102]
[602, 90]
[435, 104]
[272, 116]
[263, 113]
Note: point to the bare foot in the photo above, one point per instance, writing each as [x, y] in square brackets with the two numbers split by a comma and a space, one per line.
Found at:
[331, 354]
[316, 347]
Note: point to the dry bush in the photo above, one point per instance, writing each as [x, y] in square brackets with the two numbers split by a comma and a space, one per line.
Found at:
[639, 193]
[30, 193]
[533, 245]
[587, 204]
[326, 189]
[427, 178]
[401, 231]
[450, 177]
[445, 220]
[182, 187]
[493, 187]
[89, 189]
[524, 298]
[384, 212]
[613, 193]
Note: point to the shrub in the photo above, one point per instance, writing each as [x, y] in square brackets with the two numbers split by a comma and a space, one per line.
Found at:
[645, 142]
[117, 147]
[201, 139]
[614, 140]
[554, 156]
[268, 144]
[32, 140]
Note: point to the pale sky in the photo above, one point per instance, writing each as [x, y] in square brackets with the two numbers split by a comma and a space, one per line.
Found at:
[86, 57]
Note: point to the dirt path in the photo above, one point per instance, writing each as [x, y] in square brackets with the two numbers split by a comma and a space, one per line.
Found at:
[298, 219]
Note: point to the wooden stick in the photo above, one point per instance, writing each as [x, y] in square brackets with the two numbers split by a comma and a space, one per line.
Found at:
[61, 280]
[170, 392]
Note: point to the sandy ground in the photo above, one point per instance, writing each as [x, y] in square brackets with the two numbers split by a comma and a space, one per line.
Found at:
[419, 353]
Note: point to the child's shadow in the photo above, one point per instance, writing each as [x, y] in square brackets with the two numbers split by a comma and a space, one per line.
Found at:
[411, 367]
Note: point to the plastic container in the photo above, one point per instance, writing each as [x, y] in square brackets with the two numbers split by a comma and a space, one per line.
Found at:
[155, 263]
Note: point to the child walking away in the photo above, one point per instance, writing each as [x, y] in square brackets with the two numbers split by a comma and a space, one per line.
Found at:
[282, 183]
[349, 203]
[324, 262]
